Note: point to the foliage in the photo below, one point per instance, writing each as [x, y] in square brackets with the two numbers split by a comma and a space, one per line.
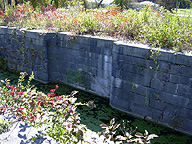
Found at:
[155, 27]
[55, 115]
[110, 131]
[124, 4]
[4, 126]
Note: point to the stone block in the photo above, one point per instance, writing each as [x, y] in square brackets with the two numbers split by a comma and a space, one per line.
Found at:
[3, 30]
[139, 109]
[136, 51]
[170, 87]
[145, 81]
[156, 84]
[186, 81]
[175, 79]
[61, 36]
[54, 76]
[107, 59]
[108, 50]
[184, 90]
[85, 40]
[167, 56]
[161, 75]
[93, 42]
[174, 99]
[118, 83]
[148, 72]
[166, 118]
[11, 30]
[187, 125]
[119, 103]
[155, 103]
[139, 99]
[115, 49]
[116, 73]
[127, 86]
[190, 104]
[186, 113]
[136, 79]
[149, 63]
[127, 76]
[138, 89]
[33, 33]
[137, 69]
[183, 59]
[94, 49]
[187, 71]
[127, 96]
[176, 69]
[127, 67]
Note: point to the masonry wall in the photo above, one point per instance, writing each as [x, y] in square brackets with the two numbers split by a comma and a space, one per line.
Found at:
[140, 81]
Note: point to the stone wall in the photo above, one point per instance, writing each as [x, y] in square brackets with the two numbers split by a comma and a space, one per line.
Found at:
[140, 81]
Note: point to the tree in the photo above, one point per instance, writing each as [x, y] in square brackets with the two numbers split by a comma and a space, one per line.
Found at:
[124, 4]
[171, 4]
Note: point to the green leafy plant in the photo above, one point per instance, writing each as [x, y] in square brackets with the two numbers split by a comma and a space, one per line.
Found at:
[4, 126]
[56, 115]
[110, 131]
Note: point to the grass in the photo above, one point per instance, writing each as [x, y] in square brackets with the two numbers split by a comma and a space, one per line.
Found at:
[183, 11]
[103, 113]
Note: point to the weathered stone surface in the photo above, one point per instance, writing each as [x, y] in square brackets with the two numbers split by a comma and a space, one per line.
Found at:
[124, 72]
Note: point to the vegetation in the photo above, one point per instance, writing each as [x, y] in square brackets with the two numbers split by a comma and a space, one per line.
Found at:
[93, 117]
[183, 11]
[55, 115]
[155, 27]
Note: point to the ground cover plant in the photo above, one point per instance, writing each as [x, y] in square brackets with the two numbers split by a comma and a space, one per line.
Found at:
[93, 117]
[155, 27]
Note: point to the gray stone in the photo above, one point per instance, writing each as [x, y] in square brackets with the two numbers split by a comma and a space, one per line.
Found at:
[174, 99]
[156, 84]
[139, 109]
[138, 89]
[187, 125]
[11, 30]
[184, 90]
[148, 72]
[176, 69]
[145, 81]
[170, 87]
[85, 40]
[167, 56]
[139, 99]
[184, 59]
[175, 79]
[93, 42]
[119, 103]
[3, 29]
[187, 71]
[33, 33]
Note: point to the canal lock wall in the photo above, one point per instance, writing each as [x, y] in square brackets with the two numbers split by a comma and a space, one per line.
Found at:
[148, 83]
